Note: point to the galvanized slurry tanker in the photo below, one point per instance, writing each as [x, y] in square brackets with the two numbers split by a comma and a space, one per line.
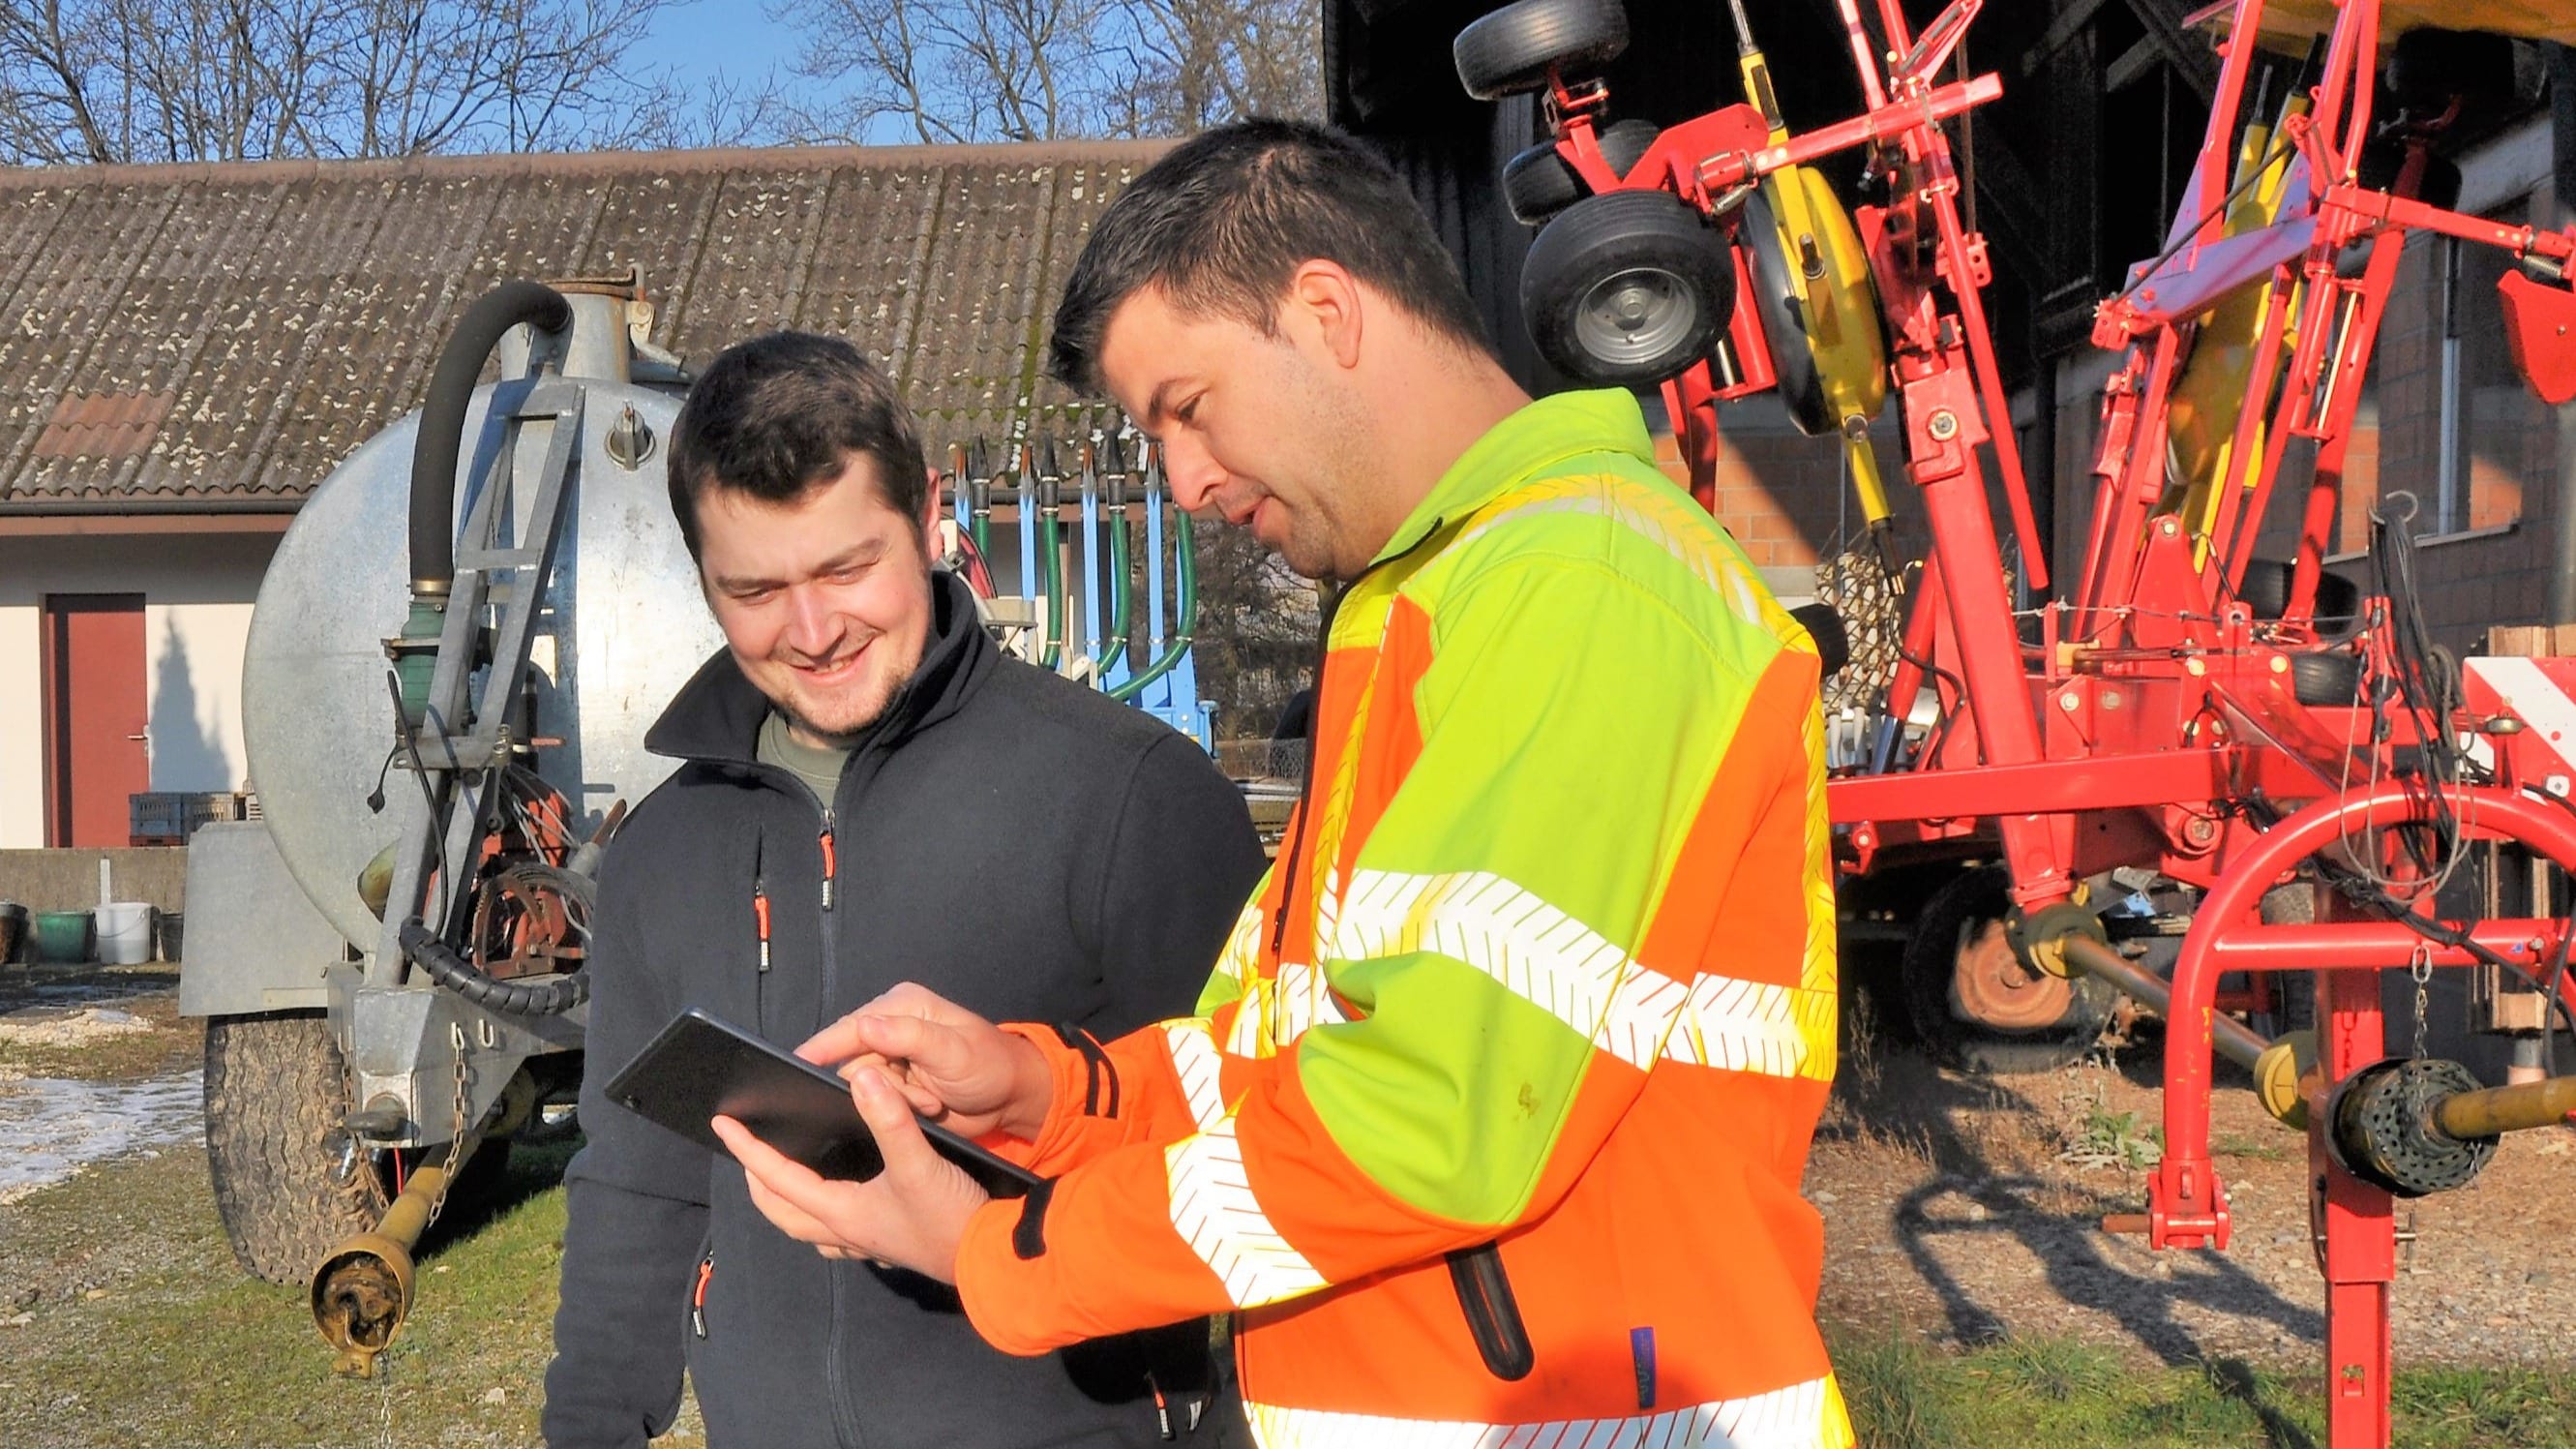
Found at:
[390, 959]
[2293, 767]
[451, 667]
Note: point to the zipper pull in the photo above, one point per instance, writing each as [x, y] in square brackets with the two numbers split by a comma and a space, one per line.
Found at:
[1162, 1407]
[831, 862]
[760, 918]
[698, 1294]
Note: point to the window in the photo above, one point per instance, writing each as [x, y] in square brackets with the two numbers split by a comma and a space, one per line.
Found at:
[2496, 438]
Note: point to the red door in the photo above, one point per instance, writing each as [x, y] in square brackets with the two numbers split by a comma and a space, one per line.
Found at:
[94, 717]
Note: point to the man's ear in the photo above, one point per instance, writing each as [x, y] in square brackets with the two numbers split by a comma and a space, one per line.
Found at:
[1326, 300]
[930, 513]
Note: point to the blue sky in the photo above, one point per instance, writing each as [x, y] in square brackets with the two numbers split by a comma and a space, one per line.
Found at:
[734, 38]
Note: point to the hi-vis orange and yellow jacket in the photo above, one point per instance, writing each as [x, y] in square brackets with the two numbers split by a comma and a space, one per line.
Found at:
[1547, 958]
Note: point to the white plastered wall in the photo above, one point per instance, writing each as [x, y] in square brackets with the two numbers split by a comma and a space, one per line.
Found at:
[197, 594]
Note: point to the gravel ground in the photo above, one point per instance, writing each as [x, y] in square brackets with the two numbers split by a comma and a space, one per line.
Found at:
[1950, 1208]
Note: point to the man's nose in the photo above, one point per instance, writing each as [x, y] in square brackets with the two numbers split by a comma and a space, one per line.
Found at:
[1192, 472]
[812, 628]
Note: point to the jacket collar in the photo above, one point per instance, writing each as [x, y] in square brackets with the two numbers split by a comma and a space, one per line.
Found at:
[716, 716]
[1546, 430]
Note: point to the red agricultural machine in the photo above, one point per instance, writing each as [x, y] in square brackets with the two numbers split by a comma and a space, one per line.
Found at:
[2292, 753]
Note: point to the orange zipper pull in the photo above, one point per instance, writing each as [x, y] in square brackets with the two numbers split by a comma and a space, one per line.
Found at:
[760, 916]
[698, 1294]
[831, 866]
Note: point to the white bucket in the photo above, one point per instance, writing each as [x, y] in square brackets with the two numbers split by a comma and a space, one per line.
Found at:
[124, 932]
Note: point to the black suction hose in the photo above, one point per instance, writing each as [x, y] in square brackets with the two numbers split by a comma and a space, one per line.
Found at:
[442, 420]
[549, 997]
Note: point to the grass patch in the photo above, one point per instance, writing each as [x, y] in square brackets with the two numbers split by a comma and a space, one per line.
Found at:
[2239, 1144]
[2071, 1395]
[182, 1348]
[141, 1331]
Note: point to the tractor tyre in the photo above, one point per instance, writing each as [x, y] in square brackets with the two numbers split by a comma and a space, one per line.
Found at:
[1960, 932]
[1516, 48]
[2331, 680]
[2267, 592]
[2428, 68]
[1538, 183]
[1624, 145]
[274, 1102]
[1627, 289]
[2381, 159]
[1793, 361]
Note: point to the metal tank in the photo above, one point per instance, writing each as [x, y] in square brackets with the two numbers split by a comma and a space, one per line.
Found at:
[452, 663]
[624, 626]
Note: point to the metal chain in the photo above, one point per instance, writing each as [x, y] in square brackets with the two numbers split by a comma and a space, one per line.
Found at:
[463, 1101]
[2421, 968]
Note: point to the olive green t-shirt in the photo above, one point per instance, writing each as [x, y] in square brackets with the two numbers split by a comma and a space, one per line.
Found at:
[820, 769]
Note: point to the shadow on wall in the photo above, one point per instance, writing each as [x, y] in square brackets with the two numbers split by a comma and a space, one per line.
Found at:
[185, 754]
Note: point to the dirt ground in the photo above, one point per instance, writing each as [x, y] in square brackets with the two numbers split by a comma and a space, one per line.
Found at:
[1959, 1211]
[1951, 1207]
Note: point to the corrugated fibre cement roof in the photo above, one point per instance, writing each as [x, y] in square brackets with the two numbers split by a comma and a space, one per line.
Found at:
[228, 333]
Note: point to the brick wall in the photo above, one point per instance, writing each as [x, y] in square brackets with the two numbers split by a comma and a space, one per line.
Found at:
[1783, 494]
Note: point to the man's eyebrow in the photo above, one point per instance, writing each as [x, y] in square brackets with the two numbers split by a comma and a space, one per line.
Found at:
[857, 553]
[1154, 409]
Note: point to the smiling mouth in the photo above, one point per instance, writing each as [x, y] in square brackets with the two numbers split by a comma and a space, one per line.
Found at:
[832, 672]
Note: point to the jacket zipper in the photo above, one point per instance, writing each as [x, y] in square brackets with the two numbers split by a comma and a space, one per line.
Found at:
[845, 1426]
[1314, 741]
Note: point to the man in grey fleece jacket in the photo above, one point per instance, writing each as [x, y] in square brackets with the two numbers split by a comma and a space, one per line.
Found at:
[871, 793]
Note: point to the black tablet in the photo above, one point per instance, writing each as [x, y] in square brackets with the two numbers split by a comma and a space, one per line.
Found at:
[699, 1067]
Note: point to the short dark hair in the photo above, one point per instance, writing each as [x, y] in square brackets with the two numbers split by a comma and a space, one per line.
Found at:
[1221, 223]
[782, 414]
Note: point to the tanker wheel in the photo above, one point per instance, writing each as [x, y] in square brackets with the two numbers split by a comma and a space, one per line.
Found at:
[274, 1100]
[1972, 1001]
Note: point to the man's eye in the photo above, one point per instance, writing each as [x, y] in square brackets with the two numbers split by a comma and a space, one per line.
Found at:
[1187, 412]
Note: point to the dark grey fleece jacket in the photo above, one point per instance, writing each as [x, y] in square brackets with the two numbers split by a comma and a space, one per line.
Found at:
[1023, 846]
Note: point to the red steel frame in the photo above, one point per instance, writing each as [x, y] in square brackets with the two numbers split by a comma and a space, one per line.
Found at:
[2156, 724]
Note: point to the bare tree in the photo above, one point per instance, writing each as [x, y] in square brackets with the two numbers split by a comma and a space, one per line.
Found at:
[1256, 639]
[109, 81]
[1031, 70]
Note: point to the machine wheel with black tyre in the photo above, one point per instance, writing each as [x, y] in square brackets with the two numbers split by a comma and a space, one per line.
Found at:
[2331, 679]
[1513, 49]
[1793, 362]
[275, 1095]
[2428, 67]
[1538, 183]
[1626, 289]
[1624, 145]
[2266, 591]
[2383, 156]
[1972, 1001]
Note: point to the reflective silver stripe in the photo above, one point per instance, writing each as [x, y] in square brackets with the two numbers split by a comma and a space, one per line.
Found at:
[1194, 1058]
[1214, 1211]
[1801, 1416]
[1756, 1026]
[1536, 951]
[1555, 962]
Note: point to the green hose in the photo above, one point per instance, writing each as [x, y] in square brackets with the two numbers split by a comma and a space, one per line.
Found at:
[1185, 615]
[1120, 596]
